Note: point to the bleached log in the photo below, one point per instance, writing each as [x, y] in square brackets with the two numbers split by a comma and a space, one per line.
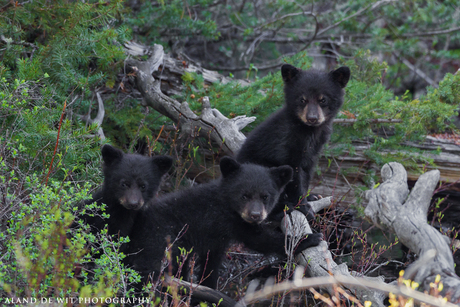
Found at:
[392, 210]
[210, 124]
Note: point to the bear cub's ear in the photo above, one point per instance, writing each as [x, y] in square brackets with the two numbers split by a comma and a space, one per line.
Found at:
[228, 166]
[111, 155]
[341, 75]
[163, 163]
[289, 72]
[281, 175]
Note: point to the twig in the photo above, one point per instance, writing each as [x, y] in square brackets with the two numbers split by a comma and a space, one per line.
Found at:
[301, 284]
[283, 17]
[417, 71]
[201, 292]
[57, 142]
[432, 33]
[372, 120]
[310, 40]
[22, 43]
[371, 6]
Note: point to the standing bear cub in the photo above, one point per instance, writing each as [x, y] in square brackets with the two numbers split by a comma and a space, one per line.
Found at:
[130, 182]
[295, 134]
[206, 218]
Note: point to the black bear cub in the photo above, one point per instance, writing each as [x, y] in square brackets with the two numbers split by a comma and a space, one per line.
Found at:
[130, 182]
[206, 218]
[295, 134]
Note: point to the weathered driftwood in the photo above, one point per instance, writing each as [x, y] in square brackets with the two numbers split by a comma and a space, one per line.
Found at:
[319, 262]
[391, 209]
[210, 124]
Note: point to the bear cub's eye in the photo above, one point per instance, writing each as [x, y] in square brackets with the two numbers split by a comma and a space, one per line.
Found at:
[142, 187]
[322, 100]
[245, 197]
[264, 197]
[303, 100]
[124, 185]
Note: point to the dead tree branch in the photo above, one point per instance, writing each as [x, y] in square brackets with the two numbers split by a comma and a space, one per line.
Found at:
[210, 124]
[372, 121]
[416, 71]
[201, 292]
[390, 209]
[98, 119]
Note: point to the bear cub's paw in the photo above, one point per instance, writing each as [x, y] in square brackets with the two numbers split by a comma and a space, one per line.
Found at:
[312, 239]
[314, 197]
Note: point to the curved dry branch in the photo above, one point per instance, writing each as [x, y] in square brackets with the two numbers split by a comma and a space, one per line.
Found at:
[390, 209]
[210, 124]
[201, 292]
[98, 119]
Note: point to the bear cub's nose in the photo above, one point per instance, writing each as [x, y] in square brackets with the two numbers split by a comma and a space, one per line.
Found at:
[256, 216]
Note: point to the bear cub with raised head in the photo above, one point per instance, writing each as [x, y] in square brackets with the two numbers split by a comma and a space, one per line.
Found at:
[206, 218]
[295, 134]
[130, 182]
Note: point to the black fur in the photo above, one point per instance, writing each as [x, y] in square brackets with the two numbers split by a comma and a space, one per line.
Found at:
[206, 218]
[130, 182]
[296, 134]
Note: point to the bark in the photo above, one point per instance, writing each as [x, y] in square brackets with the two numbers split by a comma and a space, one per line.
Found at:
[391, 209]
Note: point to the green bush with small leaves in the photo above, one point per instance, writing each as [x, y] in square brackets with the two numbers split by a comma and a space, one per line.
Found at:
[48, 164]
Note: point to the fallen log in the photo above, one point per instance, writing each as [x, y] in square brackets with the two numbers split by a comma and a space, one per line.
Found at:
[335, 178]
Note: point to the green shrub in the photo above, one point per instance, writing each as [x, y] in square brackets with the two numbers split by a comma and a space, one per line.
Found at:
[48, 163]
